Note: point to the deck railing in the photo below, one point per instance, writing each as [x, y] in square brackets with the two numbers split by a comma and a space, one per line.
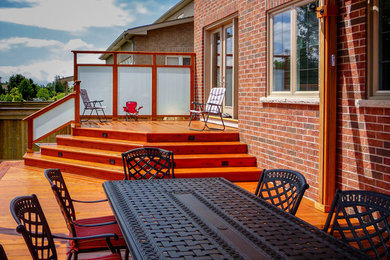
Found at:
[55, 116]
[163, 90]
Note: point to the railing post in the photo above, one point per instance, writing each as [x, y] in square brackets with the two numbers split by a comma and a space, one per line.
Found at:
[30, 135]
[76, 91]
[115, 89]
[154, 88]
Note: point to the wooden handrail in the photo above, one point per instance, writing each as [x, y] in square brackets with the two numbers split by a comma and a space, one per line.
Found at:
[30, 119]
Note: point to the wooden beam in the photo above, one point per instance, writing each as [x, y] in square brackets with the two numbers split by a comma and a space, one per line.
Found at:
[328, 108]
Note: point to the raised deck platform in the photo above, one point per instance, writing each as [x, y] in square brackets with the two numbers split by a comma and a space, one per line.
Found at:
[94, 149]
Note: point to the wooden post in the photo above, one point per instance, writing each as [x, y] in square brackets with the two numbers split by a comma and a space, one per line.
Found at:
[192, 83]
[30, 136]
[328, 106]
[154, 88]
[76, 91]
[115, 89]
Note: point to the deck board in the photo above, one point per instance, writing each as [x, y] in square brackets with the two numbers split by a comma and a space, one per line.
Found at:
[19, 180]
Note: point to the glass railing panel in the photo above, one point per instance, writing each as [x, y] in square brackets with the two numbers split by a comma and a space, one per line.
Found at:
[97, 80]
[53, 119]
[173, 91]
[135, 84]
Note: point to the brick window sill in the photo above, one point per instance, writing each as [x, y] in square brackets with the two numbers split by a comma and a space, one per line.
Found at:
[296, 101]
[372, 103]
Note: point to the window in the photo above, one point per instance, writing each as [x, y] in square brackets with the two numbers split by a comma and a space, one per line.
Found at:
[129, 60]
[294, 52]
[178, 60]
[379, 53]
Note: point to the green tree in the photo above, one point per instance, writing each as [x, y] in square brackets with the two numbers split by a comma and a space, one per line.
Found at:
[43, 94]
[58, 86]
[26, 89]
[14, 81]
[15, 95]
[5, 98]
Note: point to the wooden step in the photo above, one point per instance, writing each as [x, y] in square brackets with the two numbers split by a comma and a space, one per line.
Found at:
[157, 137]
[115, 172]
[176, 147]
[181, 160]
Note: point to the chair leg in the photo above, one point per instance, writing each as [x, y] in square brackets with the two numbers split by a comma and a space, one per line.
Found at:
[104, 115]
[189, 124]
[81, 119]
[90, 114]
[215, 128]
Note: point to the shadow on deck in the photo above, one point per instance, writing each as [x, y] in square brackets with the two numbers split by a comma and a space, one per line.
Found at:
[19, 179]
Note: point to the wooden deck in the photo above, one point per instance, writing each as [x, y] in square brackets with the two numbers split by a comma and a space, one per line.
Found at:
[94, 150]
[17, 179]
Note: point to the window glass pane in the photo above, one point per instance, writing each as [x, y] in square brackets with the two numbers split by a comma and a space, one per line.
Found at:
[307, 49]
[229, 66]
[186, 61]
[384, 43]
[216, 81]
[172, 60]
[281, 51]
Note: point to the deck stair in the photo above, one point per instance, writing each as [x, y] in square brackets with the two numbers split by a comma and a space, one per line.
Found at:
[96, 152]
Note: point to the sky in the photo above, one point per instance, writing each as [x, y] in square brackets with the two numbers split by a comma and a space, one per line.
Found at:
[37, 36]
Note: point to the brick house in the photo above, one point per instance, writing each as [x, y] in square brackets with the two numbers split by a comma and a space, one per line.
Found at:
[171, 32]
[307, 93]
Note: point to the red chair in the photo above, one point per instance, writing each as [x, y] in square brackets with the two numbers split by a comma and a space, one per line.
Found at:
[131, 110]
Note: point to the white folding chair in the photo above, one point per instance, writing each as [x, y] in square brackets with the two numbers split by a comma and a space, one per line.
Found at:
[212, 107]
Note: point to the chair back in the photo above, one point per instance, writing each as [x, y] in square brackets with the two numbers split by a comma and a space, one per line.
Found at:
[216, 98]
[3, 255]
[32, 224]
[148, 163]
[85, 98]
[131, 107]
[62, 196]
[282, 188]
[361, 218]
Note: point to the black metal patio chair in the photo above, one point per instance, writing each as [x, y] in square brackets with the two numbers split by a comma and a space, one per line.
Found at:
[148, 163]
[85, 226]
[32, 224]
[212, 107]
[282, 188]
[94, 105]
[3, 255]
[361, 219]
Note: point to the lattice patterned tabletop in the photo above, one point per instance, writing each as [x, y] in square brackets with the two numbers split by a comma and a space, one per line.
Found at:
[212, 218]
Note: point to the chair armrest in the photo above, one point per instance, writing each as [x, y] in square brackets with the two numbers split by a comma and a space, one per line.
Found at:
[95, 225]
[197, 103]
[89, 201]
[108, 237]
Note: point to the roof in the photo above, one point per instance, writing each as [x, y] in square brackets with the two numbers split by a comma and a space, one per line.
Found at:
[142, 30]
[173, 10]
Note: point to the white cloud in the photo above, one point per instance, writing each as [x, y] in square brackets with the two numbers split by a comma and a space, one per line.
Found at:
[7, 44]
[53, 45]
[60, 62]
[41, 71]
[70, 15]
[140, 8]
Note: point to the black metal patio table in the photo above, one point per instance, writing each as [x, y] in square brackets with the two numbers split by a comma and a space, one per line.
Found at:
[212, 218]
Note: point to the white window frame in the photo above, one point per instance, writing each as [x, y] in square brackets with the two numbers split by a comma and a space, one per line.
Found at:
[180, 59]
[373, 53]
[292, 93]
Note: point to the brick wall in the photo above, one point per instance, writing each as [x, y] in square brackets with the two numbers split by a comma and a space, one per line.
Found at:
[287, 135]
[177, 38]
[363, 141]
